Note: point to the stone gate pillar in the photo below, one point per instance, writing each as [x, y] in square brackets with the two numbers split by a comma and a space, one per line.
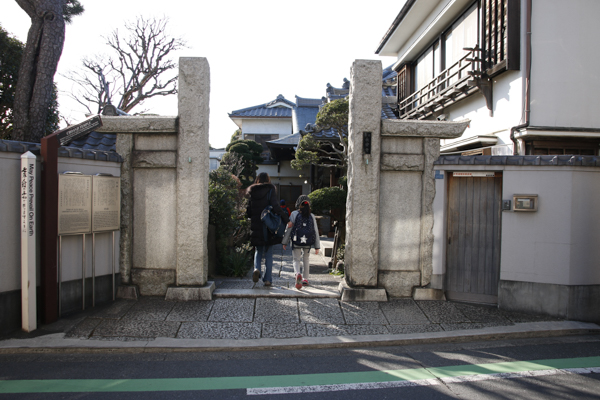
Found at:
[362, 217]
[192, 182]
[389, 217]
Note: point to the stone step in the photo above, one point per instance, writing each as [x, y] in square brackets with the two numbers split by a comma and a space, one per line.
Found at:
[278, 292]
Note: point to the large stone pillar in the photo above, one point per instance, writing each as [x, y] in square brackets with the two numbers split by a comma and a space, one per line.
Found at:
[192, 181]
[362, 208]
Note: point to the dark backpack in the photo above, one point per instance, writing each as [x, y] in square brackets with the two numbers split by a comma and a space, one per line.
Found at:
[272, 223]
[303, 232]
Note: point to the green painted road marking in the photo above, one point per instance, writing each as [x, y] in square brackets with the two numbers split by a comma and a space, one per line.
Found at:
[281, 381]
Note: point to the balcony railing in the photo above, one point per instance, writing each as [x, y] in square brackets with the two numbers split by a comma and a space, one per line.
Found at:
[448, 87]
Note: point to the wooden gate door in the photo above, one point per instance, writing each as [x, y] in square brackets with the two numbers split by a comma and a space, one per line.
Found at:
[473, 247]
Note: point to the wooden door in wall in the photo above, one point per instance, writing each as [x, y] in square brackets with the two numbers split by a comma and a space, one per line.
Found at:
[473, 243]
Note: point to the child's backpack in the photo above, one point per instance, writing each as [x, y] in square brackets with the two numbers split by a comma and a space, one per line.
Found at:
[303, 232]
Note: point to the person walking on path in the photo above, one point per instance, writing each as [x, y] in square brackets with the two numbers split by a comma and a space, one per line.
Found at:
[261, 194]
[304, 233]
[284, 207]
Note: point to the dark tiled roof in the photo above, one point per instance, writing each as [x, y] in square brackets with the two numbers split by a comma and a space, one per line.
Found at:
[266, 110]
[96, 141]
[306, 112]
[330, 134]
[290, 140]
[11, 146]
[71, 151]
[583, 161]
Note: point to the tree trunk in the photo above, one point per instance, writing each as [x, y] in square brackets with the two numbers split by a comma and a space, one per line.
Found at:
[36, 75]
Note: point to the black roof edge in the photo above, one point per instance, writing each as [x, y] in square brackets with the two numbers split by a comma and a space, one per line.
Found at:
[399, 18]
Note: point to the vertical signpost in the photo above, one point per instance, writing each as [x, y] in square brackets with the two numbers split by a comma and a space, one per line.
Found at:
[28, 232]
[49, 226]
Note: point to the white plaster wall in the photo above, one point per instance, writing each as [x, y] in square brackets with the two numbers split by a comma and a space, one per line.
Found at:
[565, 82]
[555, 244]
[507, 101]
[72, 246]
[280, 126]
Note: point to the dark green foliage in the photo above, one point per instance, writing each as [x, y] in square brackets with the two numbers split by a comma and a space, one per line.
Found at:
[326, 153]
[334, 115]
[11, 51]
[242, 158]
[322, 201]
[71, 8]
[227, 209]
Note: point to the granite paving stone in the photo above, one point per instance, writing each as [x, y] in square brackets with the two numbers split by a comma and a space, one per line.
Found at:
[403, 312]
[137, 328]
[363, 313]
[232, 310]
[191, 311]
[419, 328]
[235, 284]
[219, 330]
[281, 311]
[283, 331]
[319, 330]
[481, 313]
[84, 329]
[473, 325]
[320, 311]
[441, 312]
[116, 310]
[150, 309]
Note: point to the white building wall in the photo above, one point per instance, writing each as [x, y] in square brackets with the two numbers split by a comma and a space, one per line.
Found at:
[564, 79]
[507, 110]
[282, 127]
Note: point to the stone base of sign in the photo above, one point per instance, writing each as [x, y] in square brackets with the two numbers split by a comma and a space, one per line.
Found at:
[399, 283]
[128, 292]
[153, 282]
[361, 294]
[429, 294]
[190, 293]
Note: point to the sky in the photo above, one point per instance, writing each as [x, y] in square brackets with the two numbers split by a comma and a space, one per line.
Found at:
[256, 50]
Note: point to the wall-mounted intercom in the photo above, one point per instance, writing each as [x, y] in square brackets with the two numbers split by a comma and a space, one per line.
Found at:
[525, 202]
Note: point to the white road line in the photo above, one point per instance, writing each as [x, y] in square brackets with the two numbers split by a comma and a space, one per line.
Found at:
[419, 382]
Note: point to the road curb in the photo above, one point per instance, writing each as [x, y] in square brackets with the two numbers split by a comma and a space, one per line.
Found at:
[55, 343]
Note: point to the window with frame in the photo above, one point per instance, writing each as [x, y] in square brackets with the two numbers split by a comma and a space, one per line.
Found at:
[492, 27]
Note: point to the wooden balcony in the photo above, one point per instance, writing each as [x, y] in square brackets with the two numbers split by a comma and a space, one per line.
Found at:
[460, 80]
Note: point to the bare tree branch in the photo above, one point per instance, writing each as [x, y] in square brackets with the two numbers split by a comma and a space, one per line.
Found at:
[136, 69]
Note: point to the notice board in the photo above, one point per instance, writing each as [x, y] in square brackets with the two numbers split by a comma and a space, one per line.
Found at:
[106, 203]
[74, 204]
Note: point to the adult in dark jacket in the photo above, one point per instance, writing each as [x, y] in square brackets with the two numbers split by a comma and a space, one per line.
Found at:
[258, 194]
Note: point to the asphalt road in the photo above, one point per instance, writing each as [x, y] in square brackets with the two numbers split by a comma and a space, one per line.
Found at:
[550, 368]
